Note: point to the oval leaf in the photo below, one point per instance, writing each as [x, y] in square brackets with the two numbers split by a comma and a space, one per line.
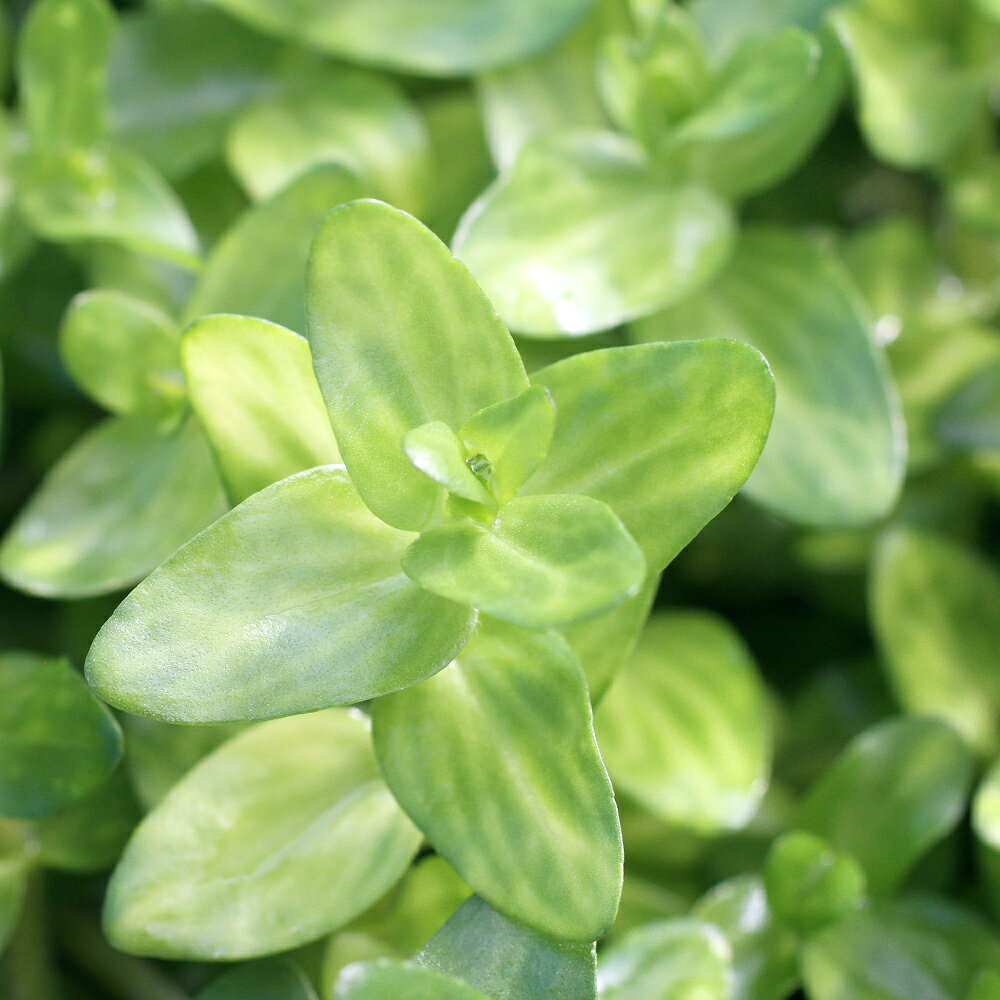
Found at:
[385, 979]
[271, 979]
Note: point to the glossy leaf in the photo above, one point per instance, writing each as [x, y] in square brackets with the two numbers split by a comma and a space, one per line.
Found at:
[401, 335]
[971, 417]
[258, 267]
[726, 23]
[449, 37]
[270, 979]
[836, 452]
[898, 789]
[678, 427]
[385, 979]
[57, 741]
[438, 452]
[113, 507]
[292, 601]
[545, 560]
[252, 386]
[123, 353]
[495, 760]
[506, 961]
[227, 866]
[681, 959]
[986, 827]
[580, 235]
[685, 728]
[933, 607]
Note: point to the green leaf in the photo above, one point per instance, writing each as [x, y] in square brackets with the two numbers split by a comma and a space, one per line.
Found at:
[446, 38]
[506, 961]
[985, 986]
[580, 235]
[57, 741]
[329, 113]
[986, 827]
[895, 791]
[495, 760]
[401, 336]
[836, 453]
[113, 507]
[916, 949]
[385, 979]
[258, 267]
[684, 959]
[292, 601]
[545, 560]
[438, 452]
[970, 418]
[664, 434]
[270, 979]
[933, 608]
[252, 386]
[13, 880]
[685, 727]
[123, 353]
[810, 885]
[283, 834]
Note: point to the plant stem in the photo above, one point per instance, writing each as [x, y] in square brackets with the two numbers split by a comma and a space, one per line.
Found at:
[30, 972]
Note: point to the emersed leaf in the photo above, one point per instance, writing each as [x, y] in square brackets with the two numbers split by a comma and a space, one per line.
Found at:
[836, 453]
[258, 267]
[401, 335]
[898, 789]
[57, 741]
[114, 506]
[934, 610]
[230, 864]
[986, 826]
[123, 353]
[387, 979]
[727, 23]
[438, 452]
[495, 760]
[445, 38]
[14, 870]
[671, 960]
[685, 728]
[292, 601]
[971, 416]
[252, 386]
[545, 560]
[269, 979]
[664, 434]
[580, 235]
[506, 961]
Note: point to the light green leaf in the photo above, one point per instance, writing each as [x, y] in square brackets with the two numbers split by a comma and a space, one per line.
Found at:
[112, 508]
[506, 961]
[401, 336]
[665, 434]
[13, 880]
[580, 235]
[495, 760]
[328, 113]
[123, 353]
[985, 986]
[385, 979]
[933, 607]
[292, 601]
[970, 418]
[986, 827]
[438, 452]
[916, 949]
[545, 560]
[252, 386]
[836, 453]
[57, 741]
[258, 268]
[684, 959]
[446, 38]
[726, 23]
[685, 727]
[894, 792]
[270, 979]
[283, 834]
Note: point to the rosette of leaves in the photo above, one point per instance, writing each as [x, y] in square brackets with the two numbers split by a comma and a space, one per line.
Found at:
[443, 574]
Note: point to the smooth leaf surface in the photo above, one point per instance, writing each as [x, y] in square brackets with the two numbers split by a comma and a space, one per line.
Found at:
[724, 24]
[401, 336]
[580, 235]
[506, 961]
[270, 979]
[495, 760]
[292, 601]
[258, 267]
[678, 428]
[545, 560]
[111, 509]
[971, 417]
[898, 789]
[251, 383]
[986, 827]
[438, 452]
[13, 879]
[836, 453]
[57, 741]
[685, 727]
[385, 979]
[229, 864]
